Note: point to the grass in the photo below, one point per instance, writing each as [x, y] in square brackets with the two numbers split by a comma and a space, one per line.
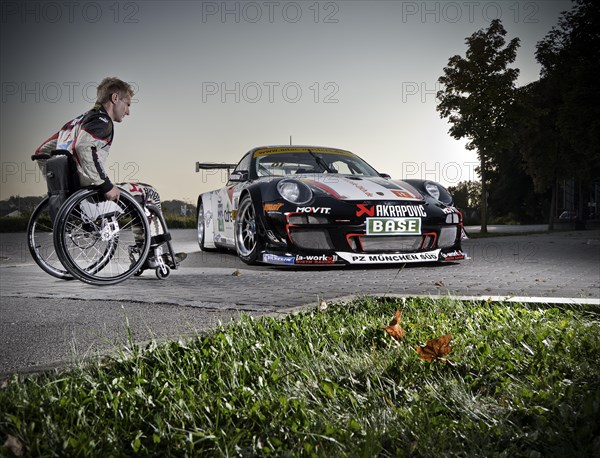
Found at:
[522, 381]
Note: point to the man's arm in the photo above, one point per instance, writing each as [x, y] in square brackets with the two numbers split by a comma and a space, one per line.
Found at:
[91, 151]
[48, 146]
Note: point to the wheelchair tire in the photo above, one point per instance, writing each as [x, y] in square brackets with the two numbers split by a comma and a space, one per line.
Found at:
[101, 242]
[162, 272]
[40, 240]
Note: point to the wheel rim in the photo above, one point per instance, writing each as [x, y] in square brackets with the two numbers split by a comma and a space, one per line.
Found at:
[102, 242]
[245, 229]
[200, 227]
[41, 242]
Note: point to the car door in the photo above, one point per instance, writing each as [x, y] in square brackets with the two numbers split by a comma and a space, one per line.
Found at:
[227, 203]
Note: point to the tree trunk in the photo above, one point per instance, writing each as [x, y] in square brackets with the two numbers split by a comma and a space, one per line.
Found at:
[552, 207]
[483, 197]
[581, 209]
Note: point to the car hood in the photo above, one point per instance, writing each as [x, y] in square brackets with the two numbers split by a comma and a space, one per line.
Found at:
[349, 187]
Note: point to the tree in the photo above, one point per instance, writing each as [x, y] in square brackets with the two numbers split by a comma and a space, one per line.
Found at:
[541, 144]
[478, 91]
[568, 100]
[467, 198]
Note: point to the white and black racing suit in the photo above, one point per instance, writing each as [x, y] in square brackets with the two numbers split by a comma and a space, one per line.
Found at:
[88, 138]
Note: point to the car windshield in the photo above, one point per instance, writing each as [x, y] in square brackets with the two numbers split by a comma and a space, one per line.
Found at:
[300, 162]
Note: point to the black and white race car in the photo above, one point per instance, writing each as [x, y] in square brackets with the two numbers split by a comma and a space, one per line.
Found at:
[305, 205]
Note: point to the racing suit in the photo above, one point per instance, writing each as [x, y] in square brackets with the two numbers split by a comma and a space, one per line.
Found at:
[88, 138]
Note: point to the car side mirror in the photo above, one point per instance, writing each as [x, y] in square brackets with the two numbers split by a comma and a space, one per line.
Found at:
[385, 175]
[238, 177]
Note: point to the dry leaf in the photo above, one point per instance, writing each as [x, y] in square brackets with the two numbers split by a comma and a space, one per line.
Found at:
[14, 445]
[435, 349]
[323, 305]
[394, 328]
[237, 273]
[439, 283]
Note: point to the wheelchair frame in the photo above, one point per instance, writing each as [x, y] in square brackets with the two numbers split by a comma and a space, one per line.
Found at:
[95, 240]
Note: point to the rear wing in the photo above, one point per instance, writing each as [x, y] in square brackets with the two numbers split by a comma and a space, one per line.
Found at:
[214, 166]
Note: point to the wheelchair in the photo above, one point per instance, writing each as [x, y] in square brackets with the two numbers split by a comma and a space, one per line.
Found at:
[75, 233]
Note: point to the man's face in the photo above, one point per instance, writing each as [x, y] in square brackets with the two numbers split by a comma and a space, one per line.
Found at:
[121, 107]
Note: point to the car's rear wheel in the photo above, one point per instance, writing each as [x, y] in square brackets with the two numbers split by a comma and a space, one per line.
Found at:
[201, 228]
[247, 239]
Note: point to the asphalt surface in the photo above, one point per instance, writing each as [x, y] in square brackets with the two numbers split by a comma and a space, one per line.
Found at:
[45, 322]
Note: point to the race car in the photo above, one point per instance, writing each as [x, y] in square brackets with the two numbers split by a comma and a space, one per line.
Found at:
[313, 205]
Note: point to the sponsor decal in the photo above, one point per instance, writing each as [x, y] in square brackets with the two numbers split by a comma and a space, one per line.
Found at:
[319, 210]
[230, 191]
[220, 217]
[325, 188]
[317, 259]
[453, 256]
[449, 210]
[272, 207]
[393, 226]
[277, 259]
[354, 258]
[360, 187]
[268, 151]
[403, 194]
[362, 209]
[390, 211]
[228, 215]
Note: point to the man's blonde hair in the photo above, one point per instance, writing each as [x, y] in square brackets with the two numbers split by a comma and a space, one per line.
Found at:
[109, 86]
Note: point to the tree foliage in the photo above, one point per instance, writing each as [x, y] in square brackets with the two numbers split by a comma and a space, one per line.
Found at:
[467, 194]
[568, 90]
[478, 90]
[478, 94]
[559, 132]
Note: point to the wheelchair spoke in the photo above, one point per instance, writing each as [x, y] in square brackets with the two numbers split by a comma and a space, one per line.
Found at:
[97, 237]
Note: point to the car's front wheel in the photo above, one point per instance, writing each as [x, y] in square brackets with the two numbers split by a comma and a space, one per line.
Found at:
[201, 228]
[247, 240]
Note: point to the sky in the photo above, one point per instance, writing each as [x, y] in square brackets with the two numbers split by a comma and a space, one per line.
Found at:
[214, 79]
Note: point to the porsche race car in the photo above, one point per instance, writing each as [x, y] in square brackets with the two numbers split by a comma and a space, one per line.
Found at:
[311, 205]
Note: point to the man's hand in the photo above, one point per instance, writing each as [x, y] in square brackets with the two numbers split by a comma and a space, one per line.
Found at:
[113, 194]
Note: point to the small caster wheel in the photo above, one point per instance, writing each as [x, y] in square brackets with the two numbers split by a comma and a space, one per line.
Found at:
[163, 272]
[138, 273]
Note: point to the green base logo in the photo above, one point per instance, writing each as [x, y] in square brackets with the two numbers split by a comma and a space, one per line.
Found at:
[393, 226]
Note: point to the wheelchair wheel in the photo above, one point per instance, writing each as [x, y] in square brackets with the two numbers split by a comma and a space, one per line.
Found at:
[101, 242]
[40, 239]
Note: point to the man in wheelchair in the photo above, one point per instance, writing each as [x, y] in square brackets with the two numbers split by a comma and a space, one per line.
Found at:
[86, 141]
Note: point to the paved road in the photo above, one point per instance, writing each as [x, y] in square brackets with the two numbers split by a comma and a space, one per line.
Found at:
[46, 322]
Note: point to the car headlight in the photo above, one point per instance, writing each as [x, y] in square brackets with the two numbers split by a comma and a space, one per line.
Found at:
[432, 189]
[294, 191]
[437, 191]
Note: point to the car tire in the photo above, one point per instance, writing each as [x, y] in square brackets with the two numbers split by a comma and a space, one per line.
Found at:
[201, 229]
[247, 240]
